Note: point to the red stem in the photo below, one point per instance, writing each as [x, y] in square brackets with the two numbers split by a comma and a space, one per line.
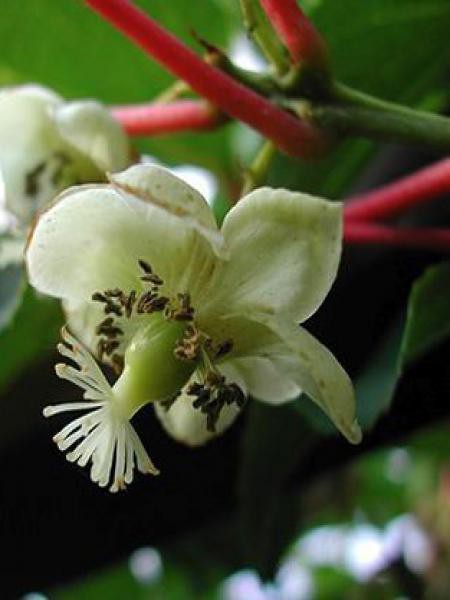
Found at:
[384, 235]
[301, 38]
[154, 119]
[287, 132]
[397, 197]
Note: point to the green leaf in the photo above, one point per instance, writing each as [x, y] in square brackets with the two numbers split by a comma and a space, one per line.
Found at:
[428, 318]
[376, 385]
[273, 444]
[12, 280]
[11, 288]
[85, 57]
[31, 335]
[396, 49]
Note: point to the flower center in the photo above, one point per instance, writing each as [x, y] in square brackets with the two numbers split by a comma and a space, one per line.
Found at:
[164, 352]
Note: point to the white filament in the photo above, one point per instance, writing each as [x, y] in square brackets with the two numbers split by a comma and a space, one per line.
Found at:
[103, 436]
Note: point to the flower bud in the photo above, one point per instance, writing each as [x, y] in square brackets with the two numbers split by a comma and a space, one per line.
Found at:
[47, 145]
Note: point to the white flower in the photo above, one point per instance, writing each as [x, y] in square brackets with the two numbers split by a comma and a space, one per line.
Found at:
[47, 144]
[193, 319]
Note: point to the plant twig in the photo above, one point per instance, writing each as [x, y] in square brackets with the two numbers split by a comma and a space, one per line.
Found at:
[402, 195]
[258, 29]
[256, 173]
[436, 239]
[173, 92]
[304, 42]
[154, 119]
[288, 133]
[353, 113]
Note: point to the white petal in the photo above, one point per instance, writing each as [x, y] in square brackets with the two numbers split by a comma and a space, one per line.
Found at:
[187, 424]
[284, 253]
[35, 162]
[162, 189]
[317, 372]
[93, 237]
[91, 129]
[262, 378]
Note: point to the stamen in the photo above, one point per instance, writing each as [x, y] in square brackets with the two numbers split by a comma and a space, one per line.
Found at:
[150, 302]
[110, 300]
[181, 309]
[213, 395]
[107, 328]
[108, 439]
[188, 348]
[128, 302]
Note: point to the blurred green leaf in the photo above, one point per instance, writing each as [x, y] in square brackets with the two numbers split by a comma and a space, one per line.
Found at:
[12, 284]
[196, 577]
[397, 50]
[376, 384]
[274, 441]
[428, 318]
[12, 280]
[85, 57]
[31, 335]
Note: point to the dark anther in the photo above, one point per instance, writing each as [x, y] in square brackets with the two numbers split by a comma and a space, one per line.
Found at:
[128, 302]
[114, 293]
[117, 363]
[202, 401]
[98, 297]
[109, 300]
[31, 179]
[232, 393]
[214, 380]
[149, 302]
[188, 348]
[152, 278]
[195, 389]
[100, 348]
[110, 346]
[159, 303]
[167, 404]
[213, 395]
[224, 348]
[184, 310]
[108, 329]
[112, 308]
[145, 266]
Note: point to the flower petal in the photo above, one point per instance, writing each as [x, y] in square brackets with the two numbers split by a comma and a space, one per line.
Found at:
[187, 424]
[92, 238]
[262, 378]
[162, 189]
[91, 129]
[284, 253]
[35, 162]
[83, 317]
[317, 372]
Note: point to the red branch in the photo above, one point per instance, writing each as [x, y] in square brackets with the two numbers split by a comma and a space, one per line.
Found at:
[384, 235]
[397, 197]
[154, 119]
[287, 132]
[304, 42]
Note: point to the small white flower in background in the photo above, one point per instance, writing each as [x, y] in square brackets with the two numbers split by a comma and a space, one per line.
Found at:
[48, 144]
[194, 319]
